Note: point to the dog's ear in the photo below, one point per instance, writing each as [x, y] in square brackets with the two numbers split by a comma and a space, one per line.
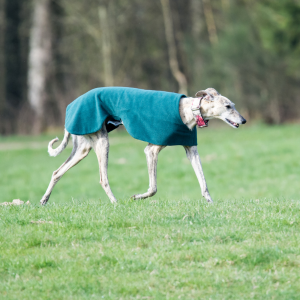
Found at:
[205, 94]
[212, 91]
[201, 93]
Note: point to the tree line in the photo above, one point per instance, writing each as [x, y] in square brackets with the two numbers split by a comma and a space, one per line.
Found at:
[52, 51]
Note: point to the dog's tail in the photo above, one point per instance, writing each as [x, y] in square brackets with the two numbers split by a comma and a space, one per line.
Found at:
[61, 147]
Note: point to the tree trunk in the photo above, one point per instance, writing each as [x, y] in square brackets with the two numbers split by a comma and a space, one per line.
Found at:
[210, 22]
[2, 63]
[196, 13]
[174, 66]
[274, 109]
[225, 4]
[106, 48]
[40, 54]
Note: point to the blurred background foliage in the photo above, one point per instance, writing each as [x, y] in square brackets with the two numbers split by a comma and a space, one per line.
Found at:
[52, 51]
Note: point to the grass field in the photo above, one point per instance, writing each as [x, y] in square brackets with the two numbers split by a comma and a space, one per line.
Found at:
[172, 246]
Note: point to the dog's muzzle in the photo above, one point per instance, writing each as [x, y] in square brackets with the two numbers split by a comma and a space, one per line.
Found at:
[197, 114]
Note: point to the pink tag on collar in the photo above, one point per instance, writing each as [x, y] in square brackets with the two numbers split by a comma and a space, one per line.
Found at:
[201, 122]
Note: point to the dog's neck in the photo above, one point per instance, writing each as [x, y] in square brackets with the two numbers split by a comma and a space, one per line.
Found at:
[186, 113]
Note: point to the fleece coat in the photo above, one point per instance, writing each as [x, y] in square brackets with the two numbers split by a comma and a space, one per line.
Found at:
[150, 116]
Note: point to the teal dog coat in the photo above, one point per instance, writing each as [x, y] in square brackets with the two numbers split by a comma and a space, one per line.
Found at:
[150, 116]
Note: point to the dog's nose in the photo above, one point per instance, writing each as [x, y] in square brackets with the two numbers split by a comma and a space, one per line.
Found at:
[244, 121]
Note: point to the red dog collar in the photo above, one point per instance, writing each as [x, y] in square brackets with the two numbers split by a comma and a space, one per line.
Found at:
[197, 114]
[201, 122]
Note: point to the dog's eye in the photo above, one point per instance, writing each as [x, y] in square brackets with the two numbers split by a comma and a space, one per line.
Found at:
[228, 106]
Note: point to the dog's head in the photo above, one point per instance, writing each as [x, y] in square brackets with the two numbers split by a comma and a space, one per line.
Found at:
[216, 106]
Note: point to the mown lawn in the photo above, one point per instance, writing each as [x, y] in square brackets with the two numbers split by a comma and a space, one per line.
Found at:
[171, 246]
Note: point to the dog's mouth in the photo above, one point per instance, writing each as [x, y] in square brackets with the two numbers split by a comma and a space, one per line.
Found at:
[235, 125]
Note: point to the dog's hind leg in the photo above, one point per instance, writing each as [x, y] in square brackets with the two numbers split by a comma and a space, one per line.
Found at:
[80, 150]
[193, 156]
[101, 148]
[151, 152]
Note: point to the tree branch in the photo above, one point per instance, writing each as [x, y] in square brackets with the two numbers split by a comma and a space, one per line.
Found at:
[178, 75]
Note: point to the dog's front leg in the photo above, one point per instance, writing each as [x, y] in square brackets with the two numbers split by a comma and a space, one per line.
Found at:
[102, 148]
[151, 152]
[193, 156]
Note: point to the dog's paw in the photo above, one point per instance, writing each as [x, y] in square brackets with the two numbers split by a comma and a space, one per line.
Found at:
[148, 194]
[207, 196]
[138, 197]
[44, 200]
[135, 197]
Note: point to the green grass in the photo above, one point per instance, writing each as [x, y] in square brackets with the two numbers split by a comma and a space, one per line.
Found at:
[174, 245]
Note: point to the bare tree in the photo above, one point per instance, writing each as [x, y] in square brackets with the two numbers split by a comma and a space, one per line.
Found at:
[174, 66]
[210, 22]
[106, 48]
[196, 13]
[40, 55]
[225, 4]
[2, 61]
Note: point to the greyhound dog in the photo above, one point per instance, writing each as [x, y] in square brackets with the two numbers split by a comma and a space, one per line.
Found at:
[208, 104]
